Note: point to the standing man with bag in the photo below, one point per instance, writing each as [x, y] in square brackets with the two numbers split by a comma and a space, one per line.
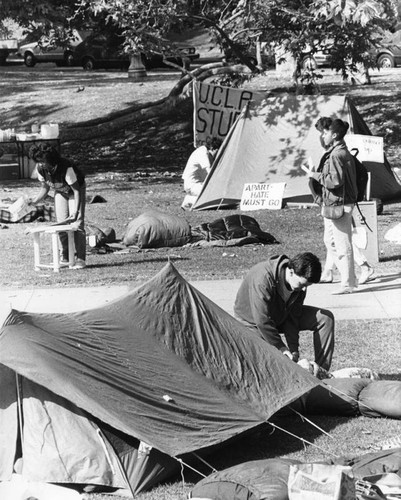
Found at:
[339, 194]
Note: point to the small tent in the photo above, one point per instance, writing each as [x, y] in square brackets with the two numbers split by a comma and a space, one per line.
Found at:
[112, 396]
[269, 143]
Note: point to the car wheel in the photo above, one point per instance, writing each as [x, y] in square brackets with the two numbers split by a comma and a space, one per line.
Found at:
[29, 60]
[88, 64]
[385, 61]
[309, 64]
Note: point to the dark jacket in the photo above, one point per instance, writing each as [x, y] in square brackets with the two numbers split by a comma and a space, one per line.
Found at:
[338, 177]
[56, 179]
[260, 305]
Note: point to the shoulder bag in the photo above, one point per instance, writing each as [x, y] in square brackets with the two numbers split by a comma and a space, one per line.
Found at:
[334, 211]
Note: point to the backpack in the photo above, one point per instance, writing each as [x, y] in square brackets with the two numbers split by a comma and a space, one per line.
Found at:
[361, 176]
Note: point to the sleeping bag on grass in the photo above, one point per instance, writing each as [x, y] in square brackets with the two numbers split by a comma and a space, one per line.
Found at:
[256, 480]
[232, 227]
[154, 229]
[268, 479]
[353, 397]
[381, 398]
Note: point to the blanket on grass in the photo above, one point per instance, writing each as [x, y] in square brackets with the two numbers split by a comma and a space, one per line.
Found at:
[41, 213]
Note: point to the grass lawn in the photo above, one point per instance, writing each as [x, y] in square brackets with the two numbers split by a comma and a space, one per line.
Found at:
[139, 168]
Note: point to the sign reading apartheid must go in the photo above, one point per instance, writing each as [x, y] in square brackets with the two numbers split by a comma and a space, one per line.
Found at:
[257, 196]
[216, 108]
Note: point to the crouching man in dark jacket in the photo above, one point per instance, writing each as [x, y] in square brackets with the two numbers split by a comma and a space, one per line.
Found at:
[271, 300]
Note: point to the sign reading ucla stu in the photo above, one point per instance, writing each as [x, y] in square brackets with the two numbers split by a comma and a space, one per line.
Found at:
[216, 108]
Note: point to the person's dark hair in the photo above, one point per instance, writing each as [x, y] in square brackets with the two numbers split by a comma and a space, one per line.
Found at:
[339, 127]
[306, 265]
[45, 153]
[50, 155]
[213, 142]
[323, 123]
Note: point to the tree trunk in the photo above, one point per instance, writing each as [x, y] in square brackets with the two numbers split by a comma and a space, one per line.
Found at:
[362, 77]
[259, 52]
[136, 68]
[180, 91]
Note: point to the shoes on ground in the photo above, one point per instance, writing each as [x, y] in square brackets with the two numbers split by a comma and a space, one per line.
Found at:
[344, 290]
[64, 262]
[366, 275]
[326, 278]
[79, 264]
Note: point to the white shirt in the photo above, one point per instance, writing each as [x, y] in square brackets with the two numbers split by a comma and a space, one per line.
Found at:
[197, 167]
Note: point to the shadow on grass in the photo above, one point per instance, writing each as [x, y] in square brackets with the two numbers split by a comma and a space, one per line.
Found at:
[390, 258]
[265, 442]
[167, 258]
[390, 376]
[380, 288]
[35, 112]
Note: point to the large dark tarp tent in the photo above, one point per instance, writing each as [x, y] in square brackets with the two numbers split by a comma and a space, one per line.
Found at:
[162, 367]
[269, 143]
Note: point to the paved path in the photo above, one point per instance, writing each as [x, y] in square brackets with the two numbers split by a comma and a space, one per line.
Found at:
[380, 298]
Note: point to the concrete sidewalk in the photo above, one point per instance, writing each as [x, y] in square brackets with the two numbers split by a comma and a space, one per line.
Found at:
[380, 298]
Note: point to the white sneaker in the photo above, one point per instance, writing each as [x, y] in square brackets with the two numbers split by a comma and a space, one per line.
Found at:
[366, 275]
[327, 277]
[79, 264]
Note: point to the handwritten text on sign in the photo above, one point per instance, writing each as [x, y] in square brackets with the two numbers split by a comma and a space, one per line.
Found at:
[216, 108]
[370, 148]
[262, 196]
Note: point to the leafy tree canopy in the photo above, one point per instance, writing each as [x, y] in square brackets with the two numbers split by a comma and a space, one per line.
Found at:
[350, 27]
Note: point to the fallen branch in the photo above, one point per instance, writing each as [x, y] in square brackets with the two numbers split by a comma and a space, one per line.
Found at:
[122, 119]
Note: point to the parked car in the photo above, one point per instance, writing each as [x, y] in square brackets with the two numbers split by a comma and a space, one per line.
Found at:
[8, 46]
[267, 55]
[316, 60]
[105, 51]
[386, 56]
[45, 50]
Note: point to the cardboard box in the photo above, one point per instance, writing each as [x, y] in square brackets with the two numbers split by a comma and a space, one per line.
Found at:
[9, 171]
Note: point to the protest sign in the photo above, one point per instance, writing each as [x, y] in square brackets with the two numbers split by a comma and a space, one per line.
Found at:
[370, 148]
[216, 109]
[258, 196]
